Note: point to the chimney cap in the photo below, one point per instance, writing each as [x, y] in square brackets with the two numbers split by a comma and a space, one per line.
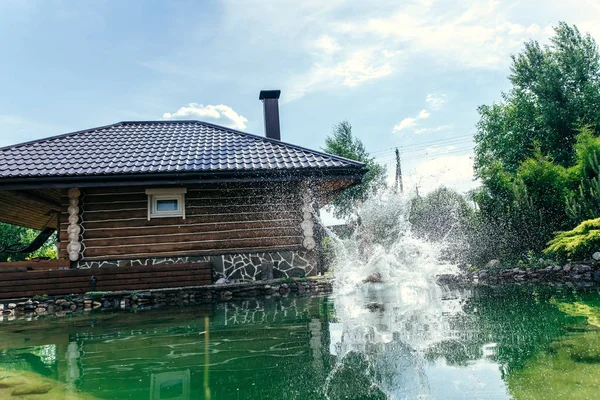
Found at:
[269, 94]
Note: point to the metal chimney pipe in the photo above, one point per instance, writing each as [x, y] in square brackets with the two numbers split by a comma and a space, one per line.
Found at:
[270, 99]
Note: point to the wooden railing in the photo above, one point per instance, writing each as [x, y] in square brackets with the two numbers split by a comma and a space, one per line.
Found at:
[76, 281]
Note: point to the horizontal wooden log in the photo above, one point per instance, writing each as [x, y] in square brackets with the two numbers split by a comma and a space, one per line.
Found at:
[207, 245]
[142, 203]
[81, 290]
[112, 284]
[196, 237]
[268, 186]
[124, 278]
[86, 279]
[177, 221]
[38, 264]
[191, 211]
[109, 271]
[124, 232]
[207, 252]
[14, 269]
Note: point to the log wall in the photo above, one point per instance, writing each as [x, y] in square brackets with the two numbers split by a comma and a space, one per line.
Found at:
[219, 219]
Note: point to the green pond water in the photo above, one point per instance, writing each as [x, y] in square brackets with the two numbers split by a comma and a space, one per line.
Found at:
[510, 342]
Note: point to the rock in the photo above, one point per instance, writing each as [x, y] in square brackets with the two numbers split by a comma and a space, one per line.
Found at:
[596, 256]
[567, 268]
[557, 268]
[493, 264]
[1, 307]
[221, 281]
[581, 269]
[596, 276]
[40, 310]
[32, 388]
[60, 302]
[96, 304]
[73, 307]
[483, 275]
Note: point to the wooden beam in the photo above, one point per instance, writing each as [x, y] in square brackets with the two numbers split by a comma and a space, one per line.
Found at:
[49, 203]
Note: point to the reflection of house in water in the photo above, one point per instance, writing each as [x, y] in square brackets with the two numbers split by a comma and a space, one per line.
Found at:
[170, 385]
[160, 357]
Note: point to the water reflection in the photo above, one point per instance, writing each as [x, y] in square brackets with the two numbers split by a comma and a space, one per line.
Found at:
[511, 342]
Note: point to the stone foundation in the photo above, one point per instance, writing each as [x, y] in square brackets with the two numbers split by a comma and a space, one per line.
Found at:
[141, 262]
[249, 266]
[257, 266]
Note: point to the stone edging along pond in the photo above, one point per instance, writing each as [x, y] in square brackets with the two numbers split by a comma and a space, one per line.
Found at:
[571, 274]
[157, 298]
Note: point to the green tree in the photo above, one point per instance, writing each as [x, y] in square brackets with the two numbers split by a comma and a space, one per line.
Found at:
[555, 90]
[441, 214]
[526, 152]
[12, 234]
[584, 202]
[342, 143]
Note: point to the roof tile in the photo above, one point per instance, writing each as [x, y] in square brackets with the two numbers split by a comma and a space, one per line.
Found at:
[158, 146]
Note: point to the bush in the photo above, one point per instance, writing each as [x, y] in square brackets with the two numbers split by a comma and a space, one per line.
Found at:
[578, 243]
[12, 234]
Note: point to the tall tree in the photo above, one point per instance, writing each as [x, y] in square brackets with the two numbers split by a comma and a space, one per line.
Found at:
[342, 143]
[525, 143]
[555, 90]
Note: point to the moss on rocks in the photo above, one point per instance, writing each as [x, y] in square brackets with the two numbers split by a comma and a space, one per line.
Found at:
[24, 385]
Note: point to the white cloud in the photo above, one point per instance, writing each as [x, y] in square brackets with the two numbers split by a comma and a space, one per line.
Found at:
[435, 101]
[405, 123]
[453, 171]
[351, 69]
[328, 44]
[410, 122]
[475, 34]
[221, 114]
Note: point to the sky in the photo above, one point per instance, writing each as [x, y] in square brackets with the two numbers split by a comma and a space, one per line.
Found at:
[407, 74]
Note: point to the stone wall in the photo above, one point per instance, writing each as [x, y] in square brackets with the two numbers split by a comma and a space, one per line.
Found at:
[256, 266]
[141, 262]
[251, 266]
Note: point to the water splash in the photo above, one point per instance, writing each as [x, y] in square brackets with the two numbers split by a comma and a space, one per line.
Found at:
[389, 307]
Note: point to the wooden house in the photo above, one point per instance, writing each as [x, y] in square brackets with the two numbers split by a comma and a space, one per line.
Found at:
[147, 193]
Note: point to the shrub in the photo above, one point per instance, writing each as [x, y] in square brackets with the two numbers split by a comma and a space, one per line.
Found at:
[578, 243]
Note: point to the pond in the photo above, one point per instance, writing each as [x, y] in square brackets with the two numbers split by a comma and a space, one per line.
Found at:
[522, 342]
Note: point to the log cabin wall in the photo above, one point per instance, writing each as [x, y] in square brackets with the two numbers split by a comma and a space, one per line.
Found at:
[237, 226]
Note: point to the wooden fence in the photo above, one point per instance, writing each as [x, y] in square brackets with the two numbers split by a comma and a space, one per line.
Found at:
[77, 281]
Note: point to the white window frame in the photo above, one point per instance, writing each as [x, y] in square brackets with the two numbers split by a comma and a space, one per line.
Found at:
[154, 195]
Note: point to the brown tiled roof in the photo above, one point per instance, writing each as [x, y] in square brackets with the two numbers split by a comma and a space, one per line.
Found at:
[156, 147]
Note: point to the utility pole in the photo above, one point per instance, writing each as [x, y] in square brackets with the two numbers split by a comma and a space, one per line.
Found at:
[399, 185]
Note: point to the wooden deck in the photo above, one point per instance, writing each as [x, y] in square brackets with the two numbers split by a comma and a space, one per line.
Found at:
[28, 283]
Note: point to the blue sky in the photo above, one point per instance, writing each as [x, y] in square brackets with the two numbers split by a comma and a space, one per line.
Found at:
[404, 73]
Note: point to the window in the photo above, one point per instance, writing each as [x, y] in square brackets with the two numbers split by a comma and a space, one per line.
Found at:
[166, 202]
